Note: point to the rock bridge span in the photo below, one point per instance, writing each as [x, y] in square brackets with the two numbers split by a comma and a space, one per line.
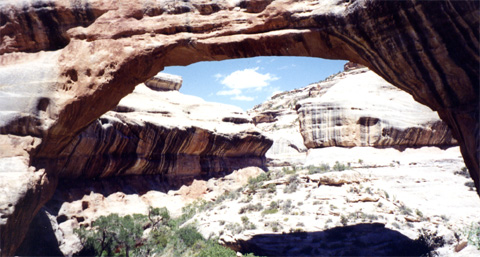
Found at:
[65, 63]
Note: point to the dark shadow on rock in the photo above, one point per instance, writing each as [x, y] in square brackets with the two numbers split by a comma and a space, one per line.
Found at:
[69, 190]
[356, 240]
[40, 239]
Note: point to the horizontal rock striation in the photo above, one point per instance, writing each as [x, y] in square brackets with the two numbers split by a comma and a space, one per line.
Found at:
[178, 136]
[358, 108]
[164, 82]
[95, 52]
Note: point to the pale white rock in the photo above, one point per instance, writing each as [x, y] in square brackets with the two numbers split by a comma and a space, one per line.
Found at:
[362, 109]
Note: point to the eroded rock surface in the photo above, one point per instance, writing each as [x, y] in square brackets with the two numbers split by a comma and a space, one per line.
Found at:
[98, 51]
[168, 133]
[352, 108]
[359, 108]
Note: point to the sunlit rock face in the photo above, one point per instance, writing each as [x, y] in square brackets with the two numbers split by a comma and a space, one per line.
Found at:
[168, 133]
[359, 108]
[69, 62]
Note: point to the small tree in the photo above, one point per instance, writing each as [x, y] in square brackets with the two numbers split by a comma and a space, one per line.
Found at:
[112, 234]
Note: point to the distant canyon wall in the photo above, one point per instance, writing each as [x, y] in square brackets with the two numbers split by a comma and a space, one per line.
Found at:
[362, 109]
[158, 131]
[63, 64]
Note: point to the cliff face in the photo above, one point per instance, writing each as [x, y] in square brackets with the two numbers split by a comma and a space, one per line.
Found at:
[351, 108]
[64, 64]
[167, 133]
[362, 109]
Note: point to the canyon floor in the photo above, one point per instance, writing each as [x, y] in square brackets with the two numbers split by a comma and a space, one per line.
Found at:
[370, 202]
[386, 199]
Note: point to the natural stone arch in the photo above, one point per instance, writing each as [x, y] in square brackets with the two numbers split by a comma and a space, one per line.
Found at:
[429, 49]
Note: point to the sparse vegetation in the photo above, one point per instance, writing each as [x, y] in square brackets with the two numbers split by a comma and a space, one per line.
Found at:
[115, 235]
[250, 208]
[341, 166]
[287, 207]
[463, 172]
[320, 169]
[472, 233]
[405, 210]
[292, 184]
[272, 208]
[274, 225]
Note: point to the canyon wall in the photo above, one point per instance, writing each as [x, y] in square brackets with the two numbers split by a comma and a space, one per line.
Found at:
[64, 64]
[362, 109]
[355, 107]
[156, 130]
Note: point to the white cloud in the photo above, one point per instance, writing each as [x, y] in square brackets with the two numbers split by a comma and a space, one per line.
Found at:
[218, 76]
[243, 98]
[248, 78]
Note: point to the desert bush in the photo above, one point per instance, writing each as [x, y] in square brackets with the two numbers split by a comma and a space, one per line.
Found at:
[250, 207]
[343, 220]
[340, 166]
[235, 228]
[247, 224]
[213, 249]
[287, 207]
[113, 235]
[189, 235]
[292, 184]
[472, 233]
[271, 209]
[405, 210]
[274, 225]
[289, 171]
[463, 172]
[320, 169]
[271, 188]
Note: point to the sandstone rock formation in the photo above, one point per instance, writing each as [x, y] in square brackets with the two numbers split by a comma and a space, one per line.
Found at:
[352, 108]
[362, 109]
[64, 64]
[164, 82]
[168, 133]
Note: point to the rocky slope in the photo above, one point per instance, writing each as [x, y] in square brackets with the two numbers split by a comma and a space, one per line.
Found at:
[352, 108]
[381, 206]
[156, 132]
[64, 64]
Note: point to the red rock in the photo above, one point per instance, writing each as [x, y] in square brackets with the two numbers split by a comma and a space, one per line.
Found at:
[97, 52]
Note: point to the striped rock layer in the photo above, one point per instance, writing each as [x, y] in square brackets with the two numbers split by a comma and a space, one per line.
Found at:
[165, 133]
[362, 109]
[63, 64]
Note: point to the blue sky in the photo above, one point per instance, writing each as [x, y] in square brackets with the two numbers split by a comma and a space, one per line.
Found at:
[248, 82]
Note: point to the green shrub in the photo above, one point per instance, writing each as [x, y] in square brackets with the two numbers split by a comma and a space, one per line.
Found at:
[405, 210]
[289, 171]
[287, 207]
[472, 233]
[274, 225]
[292, 184]
[340, 166]
[111, 233]
[343, 220]
[250, 207]
[189, 235]
[320, 169]
[213, 249]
